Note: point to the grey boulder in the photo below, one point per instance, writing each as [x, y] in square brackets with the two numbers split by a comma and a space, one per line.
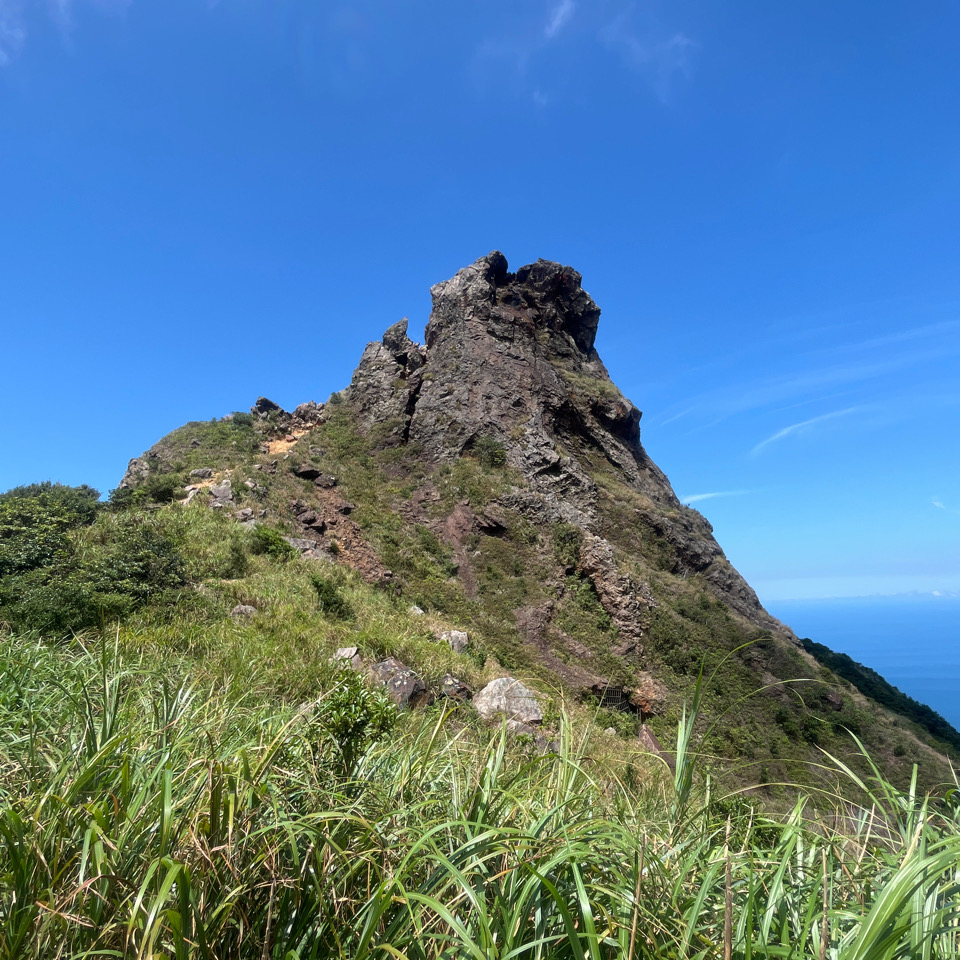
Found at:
[508, 698]
[457, 639]
[401, 684]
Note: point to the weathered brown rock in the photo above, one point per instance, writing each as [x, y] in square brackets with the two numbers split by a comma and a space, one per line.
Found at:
[650, 697]
[455, 689]
[624, 600]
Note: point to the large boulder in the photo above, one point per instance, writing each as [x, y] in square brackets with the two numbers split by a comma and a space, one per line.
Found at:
[401, 684]
[265, 406]
[509, 699]
[650, 697]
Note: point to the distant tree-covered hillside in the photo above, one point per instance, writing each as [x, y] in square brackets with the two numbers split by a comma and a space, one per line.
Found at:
[872, 685]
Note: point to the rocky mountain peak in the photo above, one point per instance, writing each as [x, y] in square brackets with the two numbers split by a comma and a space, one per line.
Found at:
[542, 297]
[510, 370]
[508, 356]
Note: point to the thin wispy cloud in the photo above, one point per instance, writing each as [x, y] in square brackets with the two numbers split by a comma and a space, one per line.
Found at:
[660, 54]
[697, 497]
[940, 505]
[865, 363]
[559, 17]
[14, 26]
[13, 32]
[643, 47]
[802, 427]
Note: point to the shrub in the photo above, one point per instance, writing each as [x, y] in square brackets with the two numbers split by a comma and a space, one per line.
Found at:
[139, 561]
[237, 562]
[122, 498]
[163, 488]
[352, 717]
[490, 452]
[59, 607]
[269, 541]
[567, 539]
[33, 533]
[331, 601]
[81, 502]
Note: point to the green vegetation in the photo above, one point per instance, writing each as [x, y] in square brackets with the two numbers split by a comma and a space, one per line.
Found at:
[177, 782]
[489, 451]
[144, 813]
[62, 571]
[332, 602]
[266, 540]
[872, 685]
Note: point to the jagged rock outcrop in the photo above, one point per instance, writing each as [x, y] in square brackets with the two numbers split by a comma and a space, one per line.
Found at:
[494, 479]
[624, 600]
[510, 365]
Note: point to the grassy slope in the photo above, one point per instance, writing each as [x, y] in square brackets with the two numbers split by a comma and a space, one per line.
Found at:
[147, 813]
[775, 708]
[192, 785]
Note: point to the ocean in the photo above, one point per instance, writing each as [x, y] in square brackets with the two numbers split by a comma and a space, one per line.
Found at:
[913, 641]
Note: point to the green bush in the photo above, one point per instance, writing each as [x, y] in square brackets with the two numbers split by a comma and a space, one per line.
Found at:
[236, 563]
[567, 539]
[163, 487]
[81, 502]
[489, 452]
[331, 601]
[139, 561]
[33, 533]
[352, 717]
[35, 521]
[53, 591]
[269, 541]
[58, 608]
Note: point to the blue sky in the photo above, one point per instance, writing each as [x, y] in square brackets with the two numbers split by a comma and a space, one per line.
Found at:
[207, 201]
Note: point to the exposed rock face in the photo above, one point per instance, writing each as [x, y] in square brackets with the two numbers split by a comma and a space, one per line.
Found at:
[650, 696]
[510, 360]
[138, 469]
[624, 600]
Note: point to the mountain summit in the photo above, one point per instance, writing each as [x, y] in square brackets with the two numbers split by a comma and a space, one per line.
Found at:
[510, 359]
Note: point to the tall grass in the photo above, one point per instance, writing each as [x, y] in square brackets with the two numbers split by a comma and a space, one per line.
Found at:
[142, 815]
